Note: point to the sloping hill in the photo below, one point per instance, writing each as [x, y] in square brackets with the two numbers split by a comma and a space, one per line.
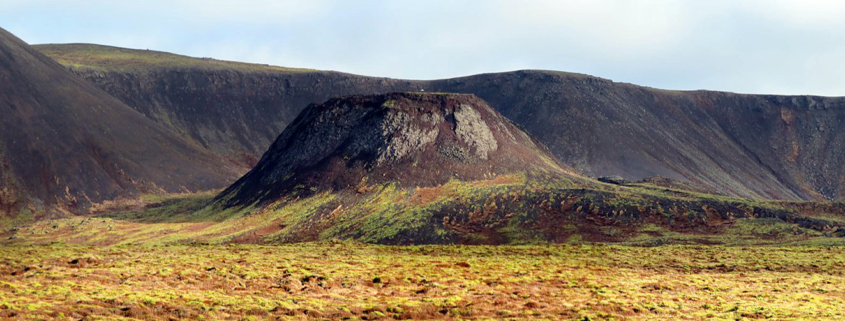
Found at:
[742, 145]
[759, 146]
[65, 144]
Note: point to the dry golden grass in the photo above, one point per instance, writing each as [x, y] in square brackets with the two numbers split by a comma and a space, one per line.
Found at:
[354, 281]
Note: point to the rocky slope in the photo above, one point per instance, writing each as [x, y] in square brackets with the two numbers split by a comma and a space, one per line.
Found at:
[761, 146]
[742, 145]
[65, 144]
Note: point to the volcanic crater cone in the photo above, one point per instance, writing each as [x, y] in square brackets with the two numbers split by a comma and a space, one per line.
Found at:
[413, 139]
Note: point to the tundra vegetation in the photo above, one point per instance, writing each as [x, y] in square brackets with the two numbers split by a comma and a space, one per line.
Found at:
[353, 281]
[179, 258]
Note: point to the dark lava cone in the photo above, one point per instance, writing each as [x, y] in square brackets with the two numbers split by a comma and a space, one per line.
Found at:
[65, 144]
[415, 139]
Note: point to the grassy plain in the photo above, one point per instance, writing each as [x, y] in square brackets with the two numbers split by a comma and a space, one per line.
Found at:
[181, 258]
[353, 281]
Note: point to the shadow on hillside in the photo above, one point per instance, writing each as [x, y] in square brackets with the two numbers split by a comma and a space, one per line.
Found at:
[178, 209]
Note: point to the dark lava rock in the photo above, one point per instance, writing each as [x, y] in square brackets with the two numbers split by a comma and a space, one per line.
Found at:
[618, 180]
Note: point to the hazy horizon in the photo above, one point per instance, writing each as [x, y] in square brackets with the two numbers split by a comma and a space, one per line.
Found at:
[763, 47]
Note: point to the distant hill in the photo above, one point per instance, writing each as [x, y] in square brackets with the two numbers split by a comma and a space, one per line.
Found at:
[758, 146]
[741, 145]
[66, 145]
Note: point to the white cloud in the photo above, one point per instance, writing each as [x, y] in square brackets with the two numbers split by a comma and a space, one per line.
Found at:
[249, 12]
[764, 46]
[635, 27]
[814, 14]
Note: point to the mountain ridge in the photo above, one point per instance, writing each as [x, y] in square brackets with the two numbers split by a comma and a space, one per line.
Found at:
[595, 125]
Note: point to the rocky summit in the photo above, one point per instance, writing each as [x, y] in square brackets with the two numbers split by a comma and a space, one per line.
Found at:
[413, 139]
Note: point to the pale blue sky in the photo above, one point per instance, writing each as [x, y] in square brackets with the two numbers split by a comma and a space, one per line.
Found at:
[761, 46]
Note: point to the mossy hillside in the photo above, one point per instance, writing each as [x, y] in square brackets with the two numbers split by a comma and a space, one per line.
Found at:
[386, 214]
[509, 209]
[170, 208]
[742, 232]
[106, 58]
[378, 217]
